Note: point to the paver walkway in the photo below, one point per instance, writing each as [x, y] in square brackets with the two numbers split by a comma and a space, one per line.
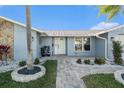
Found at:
[69, 73]
[66, 76]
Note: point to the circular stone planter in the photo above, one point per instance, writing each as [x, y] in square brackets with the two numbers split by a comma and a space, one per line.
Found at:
[27, 77]
[118, 76]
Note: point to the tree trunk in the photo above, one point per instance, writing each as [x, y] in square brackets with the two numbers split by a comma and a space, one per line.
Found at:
[29, 38]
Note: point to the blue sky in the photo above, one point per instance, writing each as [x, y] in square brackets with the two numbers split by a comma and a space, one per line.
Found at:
[62, 17]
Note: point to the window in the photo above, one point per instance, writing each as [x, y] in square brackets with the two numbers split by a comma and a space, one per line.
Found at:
[82, 44]
[86, 44]
[78, 44]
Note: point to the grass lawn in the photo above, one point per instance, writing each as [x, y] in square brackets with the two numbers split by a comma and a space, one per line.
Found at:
[47, 81]
[101, 81]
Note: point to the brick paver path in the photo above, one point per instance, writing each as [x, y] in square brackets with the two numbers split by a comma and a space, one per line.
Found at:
[69, 73]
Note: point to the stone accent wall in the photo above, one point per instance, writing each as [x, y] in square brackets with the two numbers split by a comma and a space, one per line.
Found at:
[7, 36]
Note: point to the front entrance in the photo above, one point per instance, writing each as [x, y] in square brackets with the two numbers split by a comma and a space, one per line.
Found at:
[59, 46]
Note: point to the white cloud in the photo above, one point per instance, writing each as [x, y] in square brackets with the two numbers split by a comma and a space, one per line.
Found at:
[104, 25]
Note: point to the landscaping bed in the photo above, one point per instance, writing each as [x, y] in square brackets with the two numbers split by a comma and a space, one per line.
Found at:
[47, 81]
[95, 61]
[25, 71]
[101, 81]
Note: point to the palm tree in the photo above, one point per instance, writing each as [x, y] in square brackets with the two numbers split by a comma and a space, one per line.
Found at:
[110, 10]
[29, 38]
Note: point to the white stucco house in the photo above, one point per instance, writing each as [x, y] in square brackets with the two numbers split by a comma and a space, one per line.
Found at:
[92, 43]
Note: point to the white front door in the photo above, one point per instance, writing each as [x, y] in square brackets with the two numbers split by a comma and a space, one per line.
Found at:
[59, 45]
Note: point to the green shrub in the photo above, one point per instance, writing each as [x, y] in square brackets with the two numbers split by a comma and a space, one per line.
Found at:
[99, 61]
[22, 63]
[36, 62]
[117, 52]
[79, 61]
[87, 61]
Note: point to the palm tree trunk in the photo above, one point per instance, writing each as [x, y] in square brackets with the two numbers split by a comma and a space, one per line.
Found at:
[29, 38]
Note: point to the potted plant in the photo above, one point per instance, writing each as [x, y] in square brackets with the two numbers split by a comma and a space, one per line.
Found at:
[45, 51]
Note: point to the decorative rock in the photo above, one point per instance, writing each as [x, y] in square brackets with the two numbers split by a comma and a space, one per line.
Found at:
[118, 76]
[8, 67]
[26, 78]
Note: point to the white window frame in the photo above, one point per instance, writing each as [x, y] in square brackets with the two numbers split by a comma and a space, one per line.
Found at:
[82, 44]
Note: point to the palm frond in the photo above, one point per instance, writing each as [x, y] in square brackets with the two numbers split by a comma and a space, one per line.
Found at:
[109, 10]
[113, 12]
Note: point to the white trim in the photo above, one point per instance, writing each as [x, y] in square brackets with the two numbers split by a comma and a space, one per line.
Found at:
[82, 46]
[18, 23]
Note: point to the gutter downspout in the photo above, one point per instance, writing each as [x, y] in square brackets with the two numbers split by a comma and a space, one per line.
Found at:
[105, 45]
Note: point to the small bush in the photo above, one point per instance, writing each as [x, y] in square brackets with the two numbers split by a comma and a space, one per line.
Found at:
[117, 52]
[79, 61]
[99, 61]
[22, 63]
[87, 61]
[36, 62]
